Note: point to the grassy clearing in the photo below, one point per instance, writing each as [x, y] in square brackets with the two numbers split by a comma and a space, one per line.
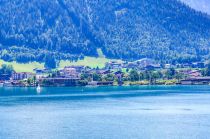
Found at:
[87, 61]
[92, 62]
[28, 67]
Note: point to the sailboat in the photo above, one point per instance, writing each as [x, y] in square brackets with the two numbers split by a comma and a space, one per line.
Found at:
[38, 89]
[1, 84]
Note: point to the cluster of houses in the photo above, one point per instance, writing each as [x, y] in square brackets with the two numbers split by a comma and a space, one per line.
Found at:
[142, 64]
[71, 75]
[196, 81]
[150, 64]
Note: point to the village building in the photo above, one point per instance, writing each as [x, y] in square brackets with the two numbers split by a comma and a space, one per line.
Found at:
[69, 72]
[39, 76]
[41, 71]
[103, 72]
[22, 75]
[191, 73]
[114, 65]
[131, 65]
[152, 67]
[147, 64]
[195, 73]
[98, 71]
[144, 62]
[168, 66]
[78, 68]
[196, 81]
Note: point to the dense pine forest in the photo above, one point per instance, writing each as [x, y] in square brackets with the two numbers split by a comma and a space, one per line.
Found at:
[164, 30]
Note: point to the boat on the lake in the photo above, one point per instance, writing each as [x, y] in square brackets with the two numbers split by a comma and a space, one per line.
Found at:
[1, 84]
[38, 89]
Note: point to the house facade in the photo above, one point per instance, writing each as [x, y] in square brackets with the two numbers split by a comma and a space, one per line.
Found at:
[70, 72]
[22, 75]
[114, 65]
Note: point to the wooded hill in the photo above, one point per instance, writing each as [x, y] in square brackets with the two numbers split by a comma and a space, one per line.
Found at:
[165, 30]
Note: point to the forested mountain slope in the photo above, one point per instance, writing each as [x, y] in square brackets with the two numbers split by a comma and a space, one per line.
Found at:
[165, 30]
[200, 5]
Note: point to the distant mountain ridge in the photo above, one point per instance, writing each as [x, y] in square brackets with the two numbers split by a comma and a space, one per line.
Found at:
[167, 31]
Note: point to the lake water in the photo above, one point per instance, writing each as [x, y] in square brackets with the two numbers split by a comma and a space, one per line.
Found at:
[145, 112]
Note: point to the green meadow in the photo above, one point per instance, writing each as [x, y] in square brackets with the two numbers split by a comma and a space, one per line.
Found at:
[92, 62]
[28, 67]
[20, 67]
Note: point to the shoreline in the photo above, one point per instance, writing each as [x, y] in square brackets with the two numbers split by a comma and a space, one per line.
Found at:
[92, 86]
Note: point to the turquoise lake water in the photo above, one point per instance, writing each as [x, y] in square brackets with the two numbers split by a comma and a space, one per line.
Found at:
[144, 112]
